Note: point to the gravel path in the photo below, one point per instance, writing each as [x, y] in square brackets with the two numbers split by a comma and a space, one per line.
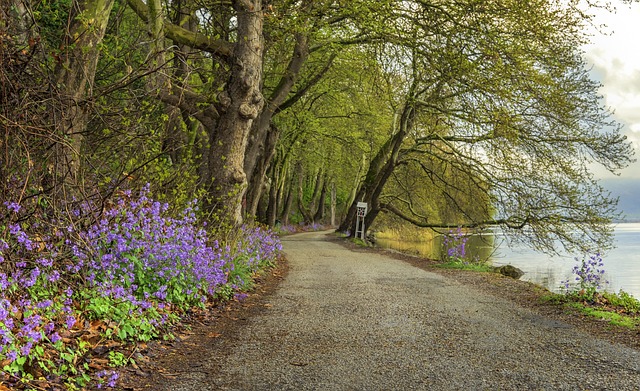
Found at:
[345, 320]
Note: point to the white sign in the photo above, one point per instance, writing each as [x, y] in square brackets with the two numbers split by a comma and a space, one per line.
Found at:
[361, 212]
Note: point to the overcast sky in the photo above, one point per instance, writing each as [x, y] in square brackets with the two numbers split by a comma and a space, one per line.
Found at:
[616, 63]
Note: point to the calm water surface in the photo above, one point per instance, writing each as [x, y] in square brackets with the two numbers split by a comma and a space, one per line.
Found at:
[622, 264]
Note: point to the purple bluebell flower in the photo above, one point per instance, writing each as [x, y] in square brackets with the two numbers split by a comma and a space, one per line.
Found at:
[13, 206]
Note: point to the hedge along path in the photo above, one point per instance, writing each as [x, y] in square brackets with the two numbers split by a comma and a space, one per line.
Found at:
[345, 320]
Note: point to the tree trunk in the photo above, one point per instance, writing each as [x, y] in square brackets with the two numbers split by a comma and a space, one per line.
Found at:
[320, 211]
[256, 181]
[380, 170]
[75, 74]
[274, 190]
[288, 203]
[333, 204]
[17, 21]
[240, 106]
[306, 214]
[264, 136]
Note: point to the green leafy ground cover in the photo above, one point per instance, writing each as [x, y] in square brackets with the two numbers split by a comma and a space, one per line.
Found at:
[80, 296]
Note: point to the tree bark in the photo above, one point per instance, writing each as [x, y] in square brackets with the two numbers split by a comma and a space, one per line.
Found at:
[241, 105]
[333, 204]
[256, 181]
[264, 136]
[274, 190]
[288, 203]
[379, 171]
[320, 210]
[76, 74]
[306, 213]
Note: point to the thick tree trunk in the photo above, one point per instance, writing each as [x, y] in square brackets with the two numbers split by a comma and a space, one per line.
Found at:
[320, 210]
[75, 74]
[264, 136]
[380, 170]
[241, 103]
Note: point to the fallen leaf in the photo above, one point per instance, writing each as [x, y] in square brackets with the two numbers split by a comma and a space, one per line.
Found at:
[98, 363]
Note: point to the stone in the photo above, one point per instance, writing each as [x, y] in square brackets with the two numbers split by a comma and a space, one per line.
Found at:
[509, 271]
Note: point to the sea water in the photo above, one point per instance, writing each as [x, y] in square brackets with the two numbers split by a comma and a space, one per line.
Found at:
[621, 264]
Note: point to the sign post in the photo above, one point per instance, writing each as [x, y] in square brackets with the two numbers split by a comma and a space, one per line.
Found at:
[361, 213]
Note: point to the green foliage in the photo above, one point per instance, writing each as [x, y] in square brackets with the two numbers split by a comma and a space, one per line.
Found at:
[359, 242]
[619, 309]
[623, 300]
[118, 359]
[52, 17]
[611, 317]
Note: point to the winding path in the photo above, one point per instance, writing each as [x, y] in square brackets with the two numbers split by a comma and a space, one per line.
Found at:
[345, 320]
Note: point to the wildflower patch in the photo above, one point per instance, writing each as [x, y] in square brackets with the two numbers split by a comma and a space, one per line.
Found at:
[73, 292]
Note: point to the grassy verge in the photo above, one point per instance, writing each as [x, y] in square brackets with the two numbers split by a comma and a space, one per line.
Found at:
[617, 309]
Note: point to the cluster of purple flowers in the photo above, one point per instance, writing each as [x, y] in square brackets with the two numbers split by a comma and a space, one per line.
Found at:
[287, 229]
[454, 244]
[589, 274]
[107, 378]
[31, 300]
[136, 252]
[137, 256]
[258, 244]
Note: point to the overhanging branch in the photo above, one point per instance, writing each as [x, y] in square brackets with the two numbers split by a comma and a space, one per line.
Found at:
[183, 36]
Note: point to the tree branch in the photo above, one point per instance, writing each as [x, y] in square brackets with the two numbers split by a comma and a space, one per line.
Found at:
[513, 222]
[183, 36]
[299, 57]
[193, 104]
[302, 91]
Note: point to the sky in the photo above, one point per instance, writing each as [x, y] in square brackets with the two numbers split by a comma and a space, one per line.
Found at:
[615, 58]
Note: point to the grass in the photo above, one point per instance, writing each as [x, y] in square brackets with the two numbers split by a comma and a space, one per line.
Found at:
[618, 309]
[359, 242]
[613, 318]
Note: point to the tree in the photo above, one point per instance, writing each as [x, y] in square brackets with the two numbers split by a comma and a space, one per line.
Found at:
[229, 117]
[75, 74]
[500, 95]
[333, 130]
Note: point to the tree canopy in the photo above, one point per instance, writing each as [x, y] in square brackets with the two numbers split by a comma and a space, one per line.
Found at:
[466, 113]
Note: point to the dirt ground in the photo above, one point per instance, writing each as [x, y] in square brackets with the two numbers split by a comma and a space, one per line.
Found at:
[159, 363]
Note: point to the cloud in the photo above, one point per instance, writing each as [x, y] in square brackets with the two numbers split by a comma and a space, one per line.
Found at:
[616, 64]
